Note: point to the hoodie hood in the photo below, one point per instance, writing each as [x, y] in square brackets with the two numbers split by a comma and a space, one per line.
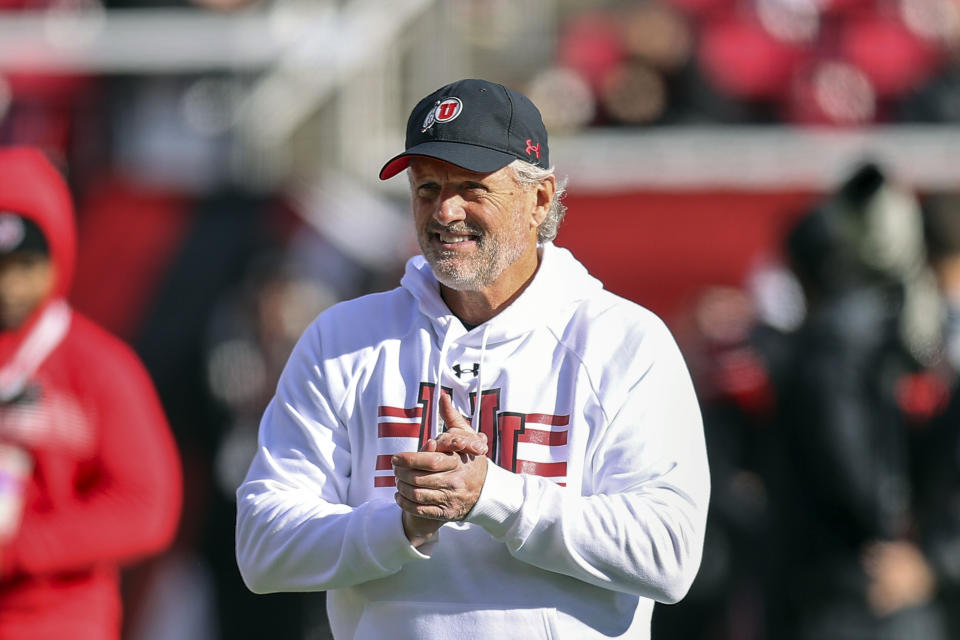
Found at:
[560, 282]
[33, 188]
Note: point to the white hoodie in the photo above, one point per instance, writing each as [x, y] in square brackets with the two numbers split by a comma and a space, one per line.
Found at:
[597, 507]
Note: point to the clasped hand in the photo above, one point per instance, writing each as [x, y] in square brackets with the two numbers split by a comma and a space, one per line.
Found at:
[441, 482]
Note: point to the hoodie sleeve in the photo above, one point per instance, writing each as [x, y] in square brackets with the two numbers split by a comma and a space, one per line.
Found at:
[295, 528]
[127, 503]
[640, 530]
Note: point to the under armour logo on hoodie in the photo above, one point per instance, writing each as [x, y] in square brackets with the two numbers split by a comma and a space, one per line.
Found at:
[457, 369]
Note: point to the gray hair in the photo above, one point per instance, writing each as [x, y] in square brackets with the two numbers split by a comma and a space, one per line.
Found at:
[528, 175]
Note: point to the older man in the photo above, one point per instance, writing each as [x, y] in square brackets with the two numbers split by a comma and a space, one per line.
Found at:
[498, 447]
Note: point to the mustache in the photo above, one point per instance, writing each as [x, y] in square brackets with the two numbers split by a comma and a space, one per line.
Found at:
[455, 228]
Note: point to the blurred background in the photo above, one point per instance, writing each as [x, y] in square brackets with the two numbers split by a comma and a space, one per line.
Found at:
[775, 178]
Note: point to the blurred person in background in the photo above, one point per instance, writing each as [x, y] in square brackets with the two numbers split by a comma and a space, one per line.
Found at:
[848, 562]
[737, 350]
[942, 232]
[90, 473]
[252, 330]
[938, 468]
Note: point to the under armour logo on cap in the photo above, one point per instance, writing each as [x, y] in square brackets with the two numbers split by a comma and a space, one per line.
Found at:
[533, 148]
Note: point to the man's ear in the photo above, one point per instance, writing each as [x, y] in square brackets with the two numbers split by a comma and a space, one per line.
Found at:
[545, 191]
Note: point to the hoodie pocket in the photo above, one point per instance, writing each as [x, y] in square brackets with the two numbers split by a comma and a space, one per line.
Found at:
[452, 621]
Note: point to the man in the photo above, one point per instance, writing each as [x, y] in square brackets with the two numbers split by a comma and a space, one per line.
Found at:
[89, 474]
[596, 503]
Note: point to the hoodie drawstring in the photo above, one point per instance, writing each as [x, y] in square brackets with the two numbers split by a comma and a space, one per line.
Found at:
[48, 332]
[444, 346]
[479, 397]
[441, 363]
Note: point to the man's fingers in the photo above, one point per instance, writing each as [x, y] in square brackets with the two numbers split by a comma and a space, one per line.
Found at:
[459, 436]
[459, 440]
[418, 478]
[430, 512]
[413, 493]
[424, 461]
[422, 501]
[451, 417]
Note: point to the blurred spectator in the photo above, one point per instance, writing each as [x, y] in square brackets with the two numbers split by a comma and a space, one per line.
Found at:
[736, 341]
[252, 331]
[942, 227]
[938, 468]
[179, 598]
[939, 99]
[249, 272]
[91, 477]
[733, 381]
[848, 562]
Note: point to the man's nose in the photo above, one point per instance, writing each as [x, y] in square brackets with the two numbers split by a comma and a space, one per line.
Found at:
[449, 209]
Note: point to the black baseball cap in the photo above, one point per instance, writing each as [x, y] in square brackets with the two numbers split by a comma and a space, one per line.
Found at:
[18, 233]
[479, 125]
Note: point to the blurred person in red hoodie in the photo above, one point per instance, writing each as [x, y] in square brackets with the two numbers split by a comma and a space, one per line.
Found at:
[90, 477]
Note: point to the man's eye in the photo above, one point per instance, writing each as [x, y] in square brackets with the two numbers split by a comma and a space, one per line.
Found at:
[427, 190]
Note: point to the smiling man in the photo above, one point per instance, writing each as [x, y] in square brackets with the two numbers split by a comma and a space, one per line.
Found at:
[498, 447]
[478, 232]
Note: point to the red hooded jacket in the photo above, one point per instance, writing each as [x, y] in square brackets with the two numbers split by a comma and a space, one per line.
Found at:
[103, 478]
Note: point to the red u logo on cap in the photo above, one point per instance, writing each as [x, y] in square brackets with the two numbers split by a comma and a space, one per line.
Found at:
[449, 109]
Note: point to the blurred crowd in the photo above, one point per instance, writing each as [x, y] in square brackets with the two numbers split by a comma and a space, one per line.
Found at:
[797, 62]
[643, 62]
[829, 390]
